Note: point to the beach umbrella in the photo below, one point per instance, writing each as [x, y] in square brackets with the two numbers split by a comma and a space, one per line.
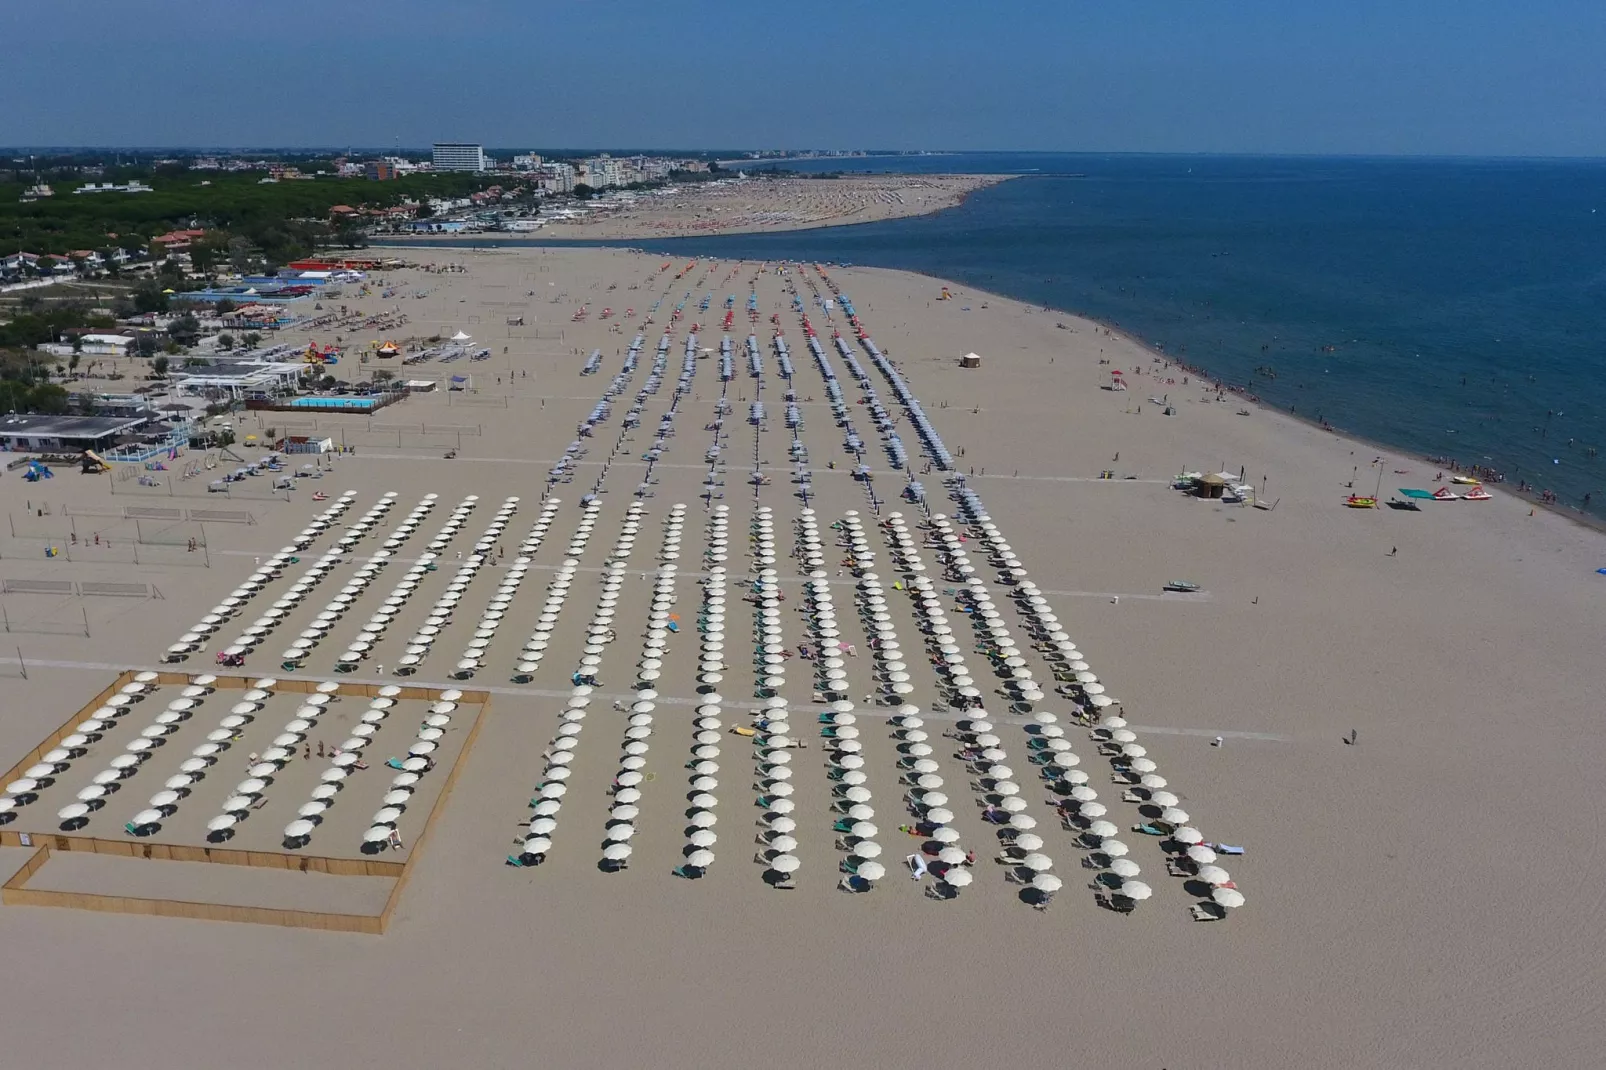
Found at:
[707, 838]
[1102, 829]
[1135, 890]
[958, 877]
[700, 859]
[1024, 822]
[1173, 816]
[864, 830]
[537, 845]
[1163, 798]
[1124, 735]
[783, 844]
[781, 806]
[1230, 898]
[871, 871]
[1037, 862]
[1124, 867]
[1047, 883]
[867, 849]
[945, 834]
[1093, 809]
[1143, 765]
[785, 863]
[620, 832]
[703, 819]
[1114, 848]
[616, 852]
[937, 815]
[1214, 875]
[1201, 854]
[1013, 804]
[952, 856]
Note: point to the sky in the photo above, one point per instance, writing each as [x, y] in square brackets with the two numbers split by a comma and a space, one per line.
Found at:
[1410, 77]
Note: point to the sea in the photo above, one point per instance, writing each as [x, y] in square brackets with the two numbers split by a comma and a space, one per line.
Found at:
[1452, 308]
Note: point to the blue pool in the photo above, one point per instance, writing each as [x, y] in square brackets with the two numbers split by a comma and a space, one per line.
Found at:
[334, 403]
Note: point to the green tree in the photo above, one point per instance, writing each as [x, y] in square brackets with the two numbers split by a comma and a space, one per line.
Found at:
[583, 192]
[159, 366]
[148, 297]
[252, 339]
[225, 306]
[72, 362]
[225, 341]
[185, 330]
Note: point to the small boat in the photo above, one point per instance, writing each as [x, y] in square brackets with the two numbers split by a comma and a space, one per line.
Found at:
[1445, 494]
[1478, 495]
[1469, 480]
[1182, 586]
[1356, 501]
[1404, 504]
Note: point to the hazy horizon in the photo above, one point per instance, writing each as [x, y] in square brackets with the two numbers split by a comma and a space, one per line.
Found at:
[1408, 78]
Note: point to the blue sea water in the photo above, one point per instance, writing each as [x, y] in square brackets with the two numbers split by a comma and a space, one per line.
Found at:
[1447, 307]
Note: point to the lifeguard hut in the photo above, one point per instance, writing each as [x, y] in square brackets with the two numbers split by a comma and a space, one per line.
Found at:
[970, 360]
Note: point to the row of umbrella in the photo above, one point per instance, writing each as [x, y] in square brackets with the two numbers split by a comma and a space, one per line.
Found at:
[773, 741]
[361, 645]
[548, 800]
[704, 762]
[526, 551]
[621, 826]
[841, 734]
[326, 619]
[258, 631]
[195, 637]
[80, 742]
[500, 601]
[535, 646]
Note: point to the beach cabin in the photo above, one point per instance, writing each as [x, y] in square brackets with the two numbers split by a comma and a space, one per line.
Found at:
[970, 360]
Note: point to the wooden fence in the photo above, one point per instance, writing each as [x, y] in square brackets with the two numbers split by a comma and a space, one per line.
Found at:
[16, 891]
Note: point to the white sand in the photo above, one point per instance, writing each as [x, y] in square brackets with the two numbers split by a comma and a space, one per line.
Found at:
[1421, 899]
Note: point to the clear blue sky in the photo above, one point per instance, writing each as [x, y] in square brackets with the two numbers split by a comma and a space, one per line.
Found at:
[1481, 77]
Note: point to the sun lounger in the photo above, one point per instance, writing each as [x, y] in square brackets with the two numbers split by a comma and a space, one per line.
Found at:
[1151, 830]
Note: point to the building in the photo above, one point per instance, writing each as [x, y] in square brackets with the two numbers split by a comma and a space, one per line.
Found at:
[110, 187]
[455, 156]
[526, 162]
[381, 171]
[20, 432]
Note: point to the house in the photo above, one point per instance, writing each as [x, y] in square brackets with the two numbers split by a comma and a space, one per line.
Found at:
[174, 241]
[89, 258]
[58, 264]
[18, 263]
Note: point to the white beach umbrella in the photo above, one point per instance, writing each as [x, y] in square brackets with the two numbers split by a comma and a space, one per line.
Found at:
[1230, 898]
[1135, 890]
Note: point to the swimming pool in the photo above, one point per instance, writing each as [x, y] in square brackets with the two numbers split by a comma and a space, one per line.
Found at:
[333, 403]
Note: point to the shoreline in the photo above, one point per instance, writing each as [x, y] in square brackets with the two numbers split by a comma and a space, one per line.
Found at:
[1578, 516]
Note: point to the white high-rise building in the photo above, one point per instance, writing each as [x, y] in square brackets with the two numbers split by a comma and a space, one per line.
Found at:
[452, 156]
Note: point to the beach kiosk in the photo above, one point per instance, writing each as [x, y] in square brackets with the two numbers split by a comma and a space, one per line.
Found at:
[970, 360]
[1213, 485]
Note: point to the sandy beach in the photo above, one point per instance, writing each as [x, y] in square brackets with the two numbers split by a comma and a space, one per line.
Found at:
[1399, 910]
[751, 206]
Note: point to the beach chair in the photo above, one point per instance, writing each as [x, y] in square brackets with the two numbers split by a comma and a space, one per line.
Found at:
[689, 872]
[1151, 830]
[842, 825]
